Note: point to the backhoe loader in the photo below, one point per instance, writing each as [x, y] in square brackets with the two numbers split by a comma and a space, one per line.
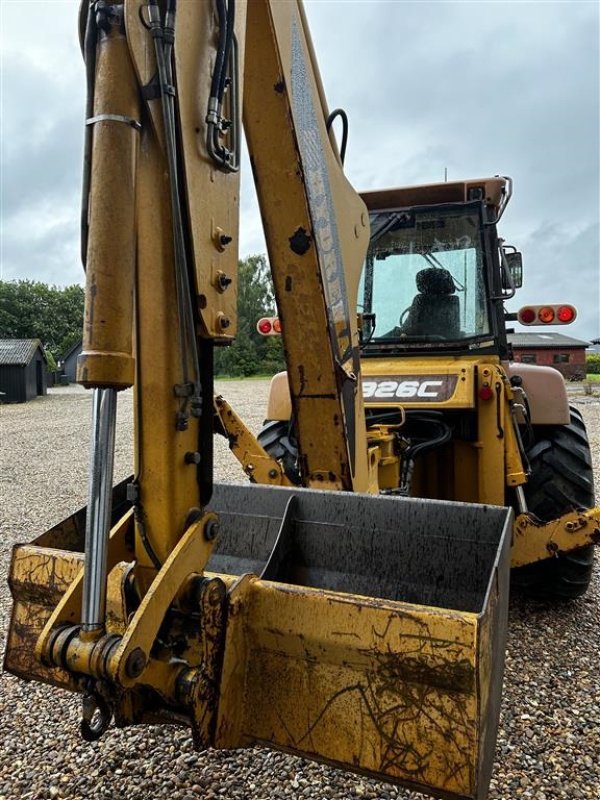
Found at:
[346, 626]
[464, 421]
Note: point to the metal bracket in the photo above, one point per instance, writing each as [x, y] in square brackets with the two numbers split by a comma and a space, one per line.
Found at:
[256, 462]
[189, 556]
[534, 540]
[68, 610]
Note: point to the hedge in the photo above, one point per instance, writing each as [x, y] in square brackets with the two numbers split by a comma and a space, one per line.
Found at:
[593, 364]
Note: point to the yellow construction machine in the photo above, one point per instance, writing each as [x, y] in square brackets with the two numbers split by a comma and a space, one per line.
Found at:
[346, 626]
[449, 414]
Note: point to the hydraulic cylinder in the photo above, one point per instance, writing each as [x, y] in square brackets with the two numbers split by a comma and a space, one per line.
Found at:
[107, 359]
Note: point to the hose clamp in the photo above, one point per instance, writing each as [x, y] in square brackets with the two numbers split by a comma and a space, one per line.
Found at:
[114, 118]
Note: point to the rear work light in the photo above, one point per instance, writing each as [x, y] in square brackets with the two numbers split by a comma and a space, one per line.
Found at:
[559, 314]
[269, 326]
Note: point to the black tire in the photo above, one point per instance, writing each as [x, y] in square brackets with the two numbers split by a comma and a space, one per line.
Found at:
[277, 438]
[561, 481]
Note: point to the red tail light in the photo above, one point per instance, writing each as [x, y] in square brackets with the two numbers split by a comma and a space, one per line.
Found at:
[566, 314]
[547, 315]
[527, 316]
[264, 326]
[269, 326]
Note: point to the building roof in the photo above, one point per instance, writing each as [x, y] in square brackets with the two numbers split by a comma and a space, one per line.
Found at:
[539, 340]
[74, 348]
[18, 351]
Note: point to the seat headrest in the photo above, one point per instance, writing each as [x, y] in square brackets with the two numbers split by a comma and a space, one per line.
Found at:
[435, 281]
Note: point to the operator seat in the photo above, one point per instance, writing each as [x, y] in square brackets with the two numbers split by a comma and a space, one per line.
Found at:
[435, 309]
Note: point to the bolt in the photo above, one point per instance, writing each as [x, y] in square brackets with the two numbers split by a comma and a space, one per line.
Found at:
[273, 473]
[181, 421]
[211, 530]
[224, 322]
[136, 662]
[224, 281]
[192, 457]
[224, 240]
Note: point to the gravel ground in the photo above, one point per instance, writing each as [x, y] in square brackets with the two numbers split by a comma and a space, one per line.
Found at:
[549, 741]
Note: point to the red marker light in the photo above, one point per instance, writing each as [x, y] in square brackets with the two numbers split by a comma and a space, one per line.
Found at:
[277, 325]
[527, 316]
[546, 314]
[264, 326]
[486, 393]
[566, 314]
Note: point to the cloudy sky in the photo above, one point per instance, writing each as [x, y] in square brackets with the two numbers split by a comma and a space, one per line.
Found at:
[479, 88]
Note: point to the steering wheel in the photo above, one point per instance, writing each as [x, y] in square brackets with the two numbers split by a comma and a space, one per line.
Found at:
[403, 316]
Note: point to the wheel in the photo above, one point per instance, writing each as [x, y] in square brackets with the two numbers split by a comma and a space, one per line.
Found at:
[277, 438]
[561, 481]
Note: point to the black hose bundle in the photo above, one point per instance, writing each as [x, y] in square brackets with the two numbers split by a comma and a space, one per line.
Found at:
[225, 61]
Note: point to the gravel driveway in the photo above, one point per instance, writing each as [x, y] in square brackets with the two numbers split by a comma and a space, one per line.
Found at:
[549, 741]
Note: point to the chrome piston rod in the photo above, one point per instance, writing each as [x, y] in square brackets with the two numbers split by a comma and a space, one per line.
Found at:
[97, 525]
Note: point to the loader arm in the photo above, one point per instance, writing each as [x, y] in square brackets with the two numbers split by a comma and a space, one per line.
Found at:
[307, 621]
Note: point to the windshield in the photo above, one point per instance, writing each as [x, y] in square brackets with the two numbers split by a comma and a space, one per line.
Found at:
[424, 280]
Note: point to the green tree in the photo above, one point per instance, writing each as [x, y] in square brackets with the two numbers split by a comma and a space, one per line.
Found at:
[34, 310]
[252, 353]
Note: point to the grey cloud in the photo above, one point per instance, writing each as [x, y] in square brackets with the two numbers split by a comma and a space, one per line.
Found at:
[41, 169]
[562, 266]
[47, 252]
[479, 88]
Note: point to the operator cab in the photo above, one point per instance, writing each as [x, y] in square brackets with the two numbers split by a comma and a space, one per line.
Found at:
[433, 268]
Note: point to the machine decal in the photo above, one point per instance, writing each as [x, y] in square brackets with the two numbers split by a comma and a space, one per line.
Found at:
[319, 197]
[422, 388]
[324, 226]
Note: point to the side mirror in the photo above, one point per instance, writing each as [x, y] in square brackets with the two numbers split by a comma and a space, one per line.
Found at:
[514, 262]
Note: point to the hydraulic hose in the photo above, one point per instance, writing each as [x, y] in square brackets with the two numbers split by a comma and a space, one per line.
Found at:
[230, 19]
[163, 42]
[339, 112]
[220, 62]
[226, 58]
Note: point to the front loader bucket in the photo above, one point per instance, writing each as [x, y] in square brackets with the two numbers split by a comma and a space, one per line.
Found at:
[367, 632]
[374, 639]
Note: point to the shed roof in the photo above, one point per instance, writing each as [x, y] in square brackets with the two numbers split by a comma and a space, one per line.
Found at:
[19, 351]
[74, 347]
[540, 340]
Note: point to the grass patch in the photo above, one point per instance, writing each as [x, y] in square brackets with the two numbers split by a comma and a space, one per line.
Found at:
[592, 377]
